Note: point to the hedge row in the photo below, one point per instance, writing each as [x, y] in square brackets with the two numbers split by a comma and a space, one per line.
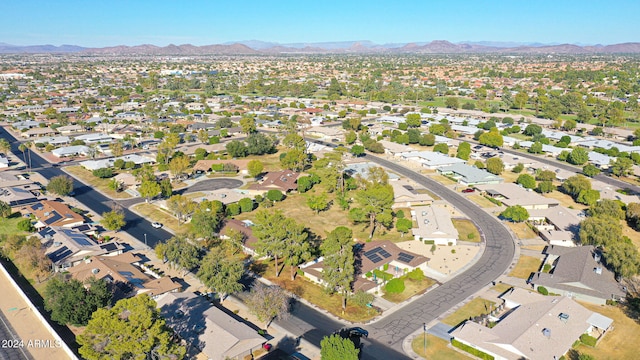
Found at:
[471, 350]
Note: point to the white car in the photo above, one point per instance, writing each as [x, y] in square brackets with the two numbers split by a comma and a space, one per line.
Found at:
[156, 225]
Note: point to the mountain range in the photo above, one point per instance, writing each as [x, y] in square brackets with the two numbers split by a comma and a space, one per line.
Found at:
[254, 47]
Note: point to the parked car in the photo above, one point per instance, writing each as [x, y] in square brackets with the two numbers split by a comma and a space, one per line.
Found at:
[156, 225]
[468, 190]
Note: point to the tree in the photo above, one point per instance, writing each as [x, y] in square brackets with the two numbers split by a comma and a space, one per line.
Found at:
[600, 231]
[404, 225]
[427, 140]
[271, 235]
[318, 202]
[527, 181]
[246, 204]
[376, 198]
[181, 206]
[493, 138]
[259, 144]
[413, 120]
[144, 173]
[574, 185]
[275, 195]
[590, 170]
[248, 125]
[339, 271]
[268, 302]
[518, 168]
[203, 136]
[103, 173]
[61, 185]
[31, 255]
[608, 207]
[113, 220]
[495, 165]
[623, 257]
[357, 150]
[532, 129]
[236, 149]
[71, 303]
[545, 187]
[588, 197]
[515, 213]
[633, 215]
[621, 166]
[350, 137]
[255, 168]
[535, 148]
[452, 103]
[132, 329]
[294, 160]
[441, 148]
[4, 146]
[149, 189]
[166, 190]
[464, 151]
[545, 175]
[179, 252]
[117, 148]
[569, 125]
[205, 224]
[221, 274]
[520, 100]
[178, 165]
[578, 156]
[5, 209]
[335, 347]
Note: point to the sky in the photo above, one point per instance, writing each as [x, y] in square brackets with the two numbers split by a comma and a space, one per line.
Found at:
[99, 23]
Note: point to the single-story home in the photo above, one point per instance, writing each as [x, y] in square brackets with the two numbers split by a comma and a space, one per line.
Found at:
[431, 160]
[406, 194]
[285, 181]
[207, 329]
[38, 132]
[434, 223]
[75, 150]
[578, 273]
[108, 163]
[512, 194]
[531, 326]
[469, 175]
[395, 149]
[53, 213]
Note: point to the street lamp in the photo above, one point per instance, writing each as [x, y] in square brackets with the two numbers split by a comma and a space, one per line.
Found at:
[145, 240]
[424, 331]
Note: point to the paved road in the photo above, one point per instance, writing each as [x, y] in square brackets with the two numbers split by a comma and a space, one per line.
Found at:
[389, 332]
[136, 226]
[7, 352]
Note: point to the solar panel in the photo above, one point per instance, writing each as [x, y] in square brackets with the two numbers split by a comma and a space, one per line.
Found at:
[60, 254]
[109, 246]
[374, 258]
[372, 251]
[405, 258]
[53, 218]
[384, 253]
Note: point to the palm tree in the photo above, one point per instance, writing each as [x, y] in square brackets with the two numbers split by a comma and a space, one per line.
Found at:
[23, 148]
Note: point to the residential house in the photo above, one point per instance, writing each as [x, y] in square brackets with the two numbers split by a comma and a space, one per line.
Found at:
[124, 271]
[431, 160]
[469, 175]
[226, 196]
[108, 163]
[53, 213]
[207, 329]
[54, 140]
[374, 255]
[434, 223]
[361, 169]
[532, 326]
[285, 181]
[602, 161]
[70, 129]
[325, 133]
[68, 151]
[578, 273]
[557, 225]
[4, 161]
[244, 227]
[18, 195]
[511, 194]
[68, 247]
[406, 194]
[395, 149]
[95, 138]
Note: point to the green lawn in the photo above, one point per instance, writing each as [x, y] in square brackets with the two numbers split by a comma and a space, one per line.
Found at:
[101, 185]
[412, 287]
[475, 307]
[9, 226]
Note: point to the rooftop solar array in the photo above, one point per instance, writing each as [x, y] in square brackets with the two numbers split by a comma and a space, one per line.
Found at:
[376, 254]
[79, 238]
[55, 217]
[60, 254]
[405, 258]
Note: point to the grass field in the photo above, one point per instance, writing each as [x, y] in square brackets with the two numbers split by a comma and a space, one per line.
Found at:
[443, 179]
[466, 227]
[475, 307]
[521, 230]
[437, 349]
[621, 343]
[155, 213]
[412, 287]
[481, 201]
[9, 226]
[101, 185]
[271, 162]
[565, 200]
[525, 266]
[501, 287]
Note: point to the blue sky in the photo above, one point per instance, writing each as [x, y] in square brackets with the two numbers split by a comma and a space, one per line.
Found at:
[202, 22]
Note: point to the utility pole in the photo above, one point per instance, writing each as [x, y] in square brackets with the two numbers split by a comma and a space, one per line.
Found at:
[424, 331]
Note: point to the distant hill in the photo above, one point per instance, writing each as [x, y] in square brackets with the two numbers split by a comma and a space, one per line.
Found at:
[251, 47]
